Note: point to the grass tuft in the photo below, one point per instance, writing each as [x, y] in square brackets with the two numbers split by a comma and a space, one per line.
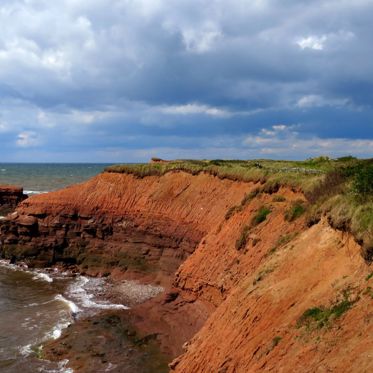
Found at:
[260, 216]
[242, 240]
[321, 316]
[296, 210]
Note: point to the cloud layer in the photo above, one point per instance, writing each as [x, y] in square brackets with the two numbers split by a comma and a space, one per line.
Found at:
[123, 80]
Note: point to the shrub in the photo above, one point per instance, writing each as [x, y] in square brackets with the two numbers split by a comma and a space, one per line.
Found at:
[363, 181]
[242, 240]
[260, 216]
[331, 185]
[279, 199]
[295, 211]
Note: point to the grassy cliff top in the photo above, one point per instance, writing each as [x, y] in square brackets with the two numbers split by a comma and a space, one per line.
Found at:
[340, 189]
[300, 174]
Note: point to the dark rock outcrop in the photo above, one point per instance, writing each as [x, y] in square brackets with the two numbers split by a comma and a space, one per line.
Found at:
[10, 197]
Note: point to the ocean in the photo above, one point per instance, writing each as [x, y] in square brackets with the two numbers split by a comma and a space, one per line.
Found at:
[36, 305]
[45, 177]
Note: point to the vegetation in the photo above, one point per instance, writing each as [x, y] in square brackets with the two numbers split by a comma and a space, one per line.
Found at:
[262, 274]
[321, 316]
[245, 201]
[295, 211]
[293, 173]
[345, 196]
[279, 198]
[340, 189]
[276, 340]
[369, 276]
[260, 216]
[242, 240]
[282, 241]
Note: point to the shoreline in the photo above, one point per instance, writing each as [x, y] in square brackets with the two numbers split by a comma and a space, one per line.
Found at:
[93, 310]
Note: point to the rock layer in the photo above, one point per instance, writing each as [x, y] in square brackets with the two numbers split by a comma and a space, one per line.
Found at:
[237, 284]
[10, 196]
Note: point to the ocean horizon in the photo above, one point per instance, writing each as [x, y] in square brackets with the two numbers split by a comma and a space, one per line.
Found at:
[45, 177]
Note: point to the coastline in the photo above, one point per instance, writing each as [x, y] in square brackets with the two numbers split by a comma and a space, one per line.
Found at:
[98, 310]
[240, 263]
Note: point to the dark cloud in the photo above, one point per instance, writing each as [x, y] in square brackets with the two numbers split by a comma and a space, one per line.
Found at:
[125, 79]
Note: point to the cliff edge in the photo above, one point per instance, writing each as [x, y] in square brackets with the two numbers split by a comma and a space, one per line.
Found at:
[252, 283]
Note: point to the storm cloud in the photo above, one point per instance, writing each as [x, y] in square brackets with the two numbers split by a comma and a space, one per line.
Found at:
[124, 80]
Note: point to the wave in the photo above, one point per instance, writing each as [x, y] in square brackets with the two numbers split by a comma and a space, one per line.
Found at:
[34, 192]
[83, 292]
[42, 276]
[73, 307]
[37, 274]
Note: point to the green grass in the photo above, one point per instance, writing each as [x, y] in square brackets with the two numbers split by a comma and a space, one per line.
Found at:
[299, 174]
[260, 216]
[322, 316]
[296, 210]
[369, 276]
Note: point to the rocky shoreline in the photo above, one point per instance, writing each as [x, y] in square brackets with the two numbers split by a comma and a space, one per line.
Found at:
[108, 341]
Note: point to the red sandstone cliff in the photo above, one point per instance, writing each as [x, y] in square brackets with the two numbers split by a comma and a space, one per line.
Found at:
[240, 307]
[10, 196]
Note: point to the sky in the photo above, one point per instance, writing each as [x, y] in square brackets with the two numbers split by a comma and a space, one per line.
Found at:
[126, 80]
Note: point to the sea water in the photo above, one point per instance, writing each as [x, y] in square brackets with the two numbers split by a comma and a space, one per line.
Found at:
[44, 177]
[35, 305]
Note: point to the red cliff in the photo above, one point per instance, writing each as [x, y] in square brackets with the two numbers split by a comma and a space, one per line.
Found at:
[10, 196]
[248, 289]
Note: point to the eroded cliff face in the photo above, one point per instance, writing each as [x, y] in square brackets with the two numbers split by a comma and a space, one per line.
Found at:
[247, 294]
[261, 325]
[119, 222]
[10, 196]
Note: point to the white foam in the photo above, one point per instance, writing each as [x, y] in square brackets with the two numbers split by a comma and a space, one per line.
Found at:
[73, 307]
[57, 330]
[42, 276]
[61, 368]
[6, 264]
[82, 292]
[34, 192]
[25, 350]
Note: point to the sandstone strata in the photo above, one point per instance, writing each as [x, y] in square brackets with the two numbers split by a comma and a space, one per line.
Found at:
[10, 196]
[226, 308]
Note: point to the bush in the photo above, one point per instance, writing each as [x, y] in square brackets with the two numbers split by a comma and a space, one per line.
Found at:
[331, 185]
[363, 181]
[296, 210]
[260, 216]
